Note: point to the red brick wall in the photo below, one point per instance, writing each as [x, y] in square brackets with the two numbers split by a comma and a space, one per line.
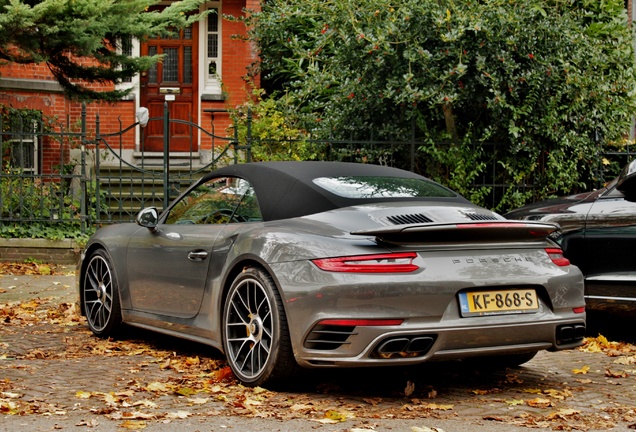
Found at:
[237, 56]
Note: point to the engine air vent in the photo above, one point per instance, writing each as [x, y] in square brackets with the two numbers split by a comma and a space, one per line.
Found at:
[409, 219]
[481, 217]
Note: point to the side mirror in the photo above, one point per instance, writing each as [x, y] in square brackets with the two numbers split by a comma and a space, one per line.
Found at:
[148, 218]
[627, 181]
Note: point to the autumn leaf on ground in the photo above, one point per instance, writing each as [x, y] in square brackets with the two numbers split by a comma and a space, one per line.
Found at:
[83, 394]
[8, 407]
[192, 361]
[178, 415]
[582, 371]
[302, 407]
[440, 407]
[133, 424]
[540, 403]
[562, 414]
[337, 416]
[159, 387]
[222, 375]
[558, 394]
[409, 389]
[624, 360]
[185, 391]
[31, 268]
[425, 429]
[601, 344]
[90, 423]
[612, 374]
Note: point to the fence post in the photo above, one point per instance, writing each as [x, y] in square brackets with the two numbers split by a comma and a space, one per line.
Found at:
[83, 181]
[248, 153]
[413, 144]
[166, 155]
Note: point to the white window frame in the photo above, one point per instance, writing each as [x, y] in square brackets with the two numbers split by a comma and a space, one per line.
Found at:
[134, 82]
[211, 81]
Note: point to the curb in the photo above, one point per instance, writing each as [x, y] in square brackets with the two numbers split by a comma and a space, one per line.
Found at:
[65, 251]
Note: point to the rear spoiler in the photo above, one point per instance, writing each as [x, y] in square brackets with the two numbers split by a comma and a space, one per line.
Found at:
[462, 232]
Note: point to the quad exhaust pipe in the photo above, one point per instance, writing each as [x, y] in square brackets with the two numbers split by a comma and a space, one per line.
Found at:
[567, 334]
[404, 346]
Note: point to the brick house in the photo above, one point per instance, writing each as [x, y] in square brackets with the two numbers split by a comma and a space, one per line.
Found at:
[202, 75]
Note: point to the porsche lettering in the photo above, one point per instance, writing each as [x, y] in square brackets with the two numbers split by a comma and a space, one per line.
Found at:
[490, 260]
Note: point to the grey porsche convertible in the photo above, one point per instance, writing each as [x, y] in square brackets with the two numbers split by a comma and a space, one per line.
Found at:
[291, 265]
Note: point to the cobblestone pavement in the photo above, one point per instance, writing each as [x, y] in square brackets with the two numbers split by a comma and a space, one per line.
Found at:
[102, 390]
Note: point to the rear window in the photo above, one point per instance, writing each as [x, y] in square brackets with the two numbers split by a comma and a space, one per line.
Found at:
[383, 187]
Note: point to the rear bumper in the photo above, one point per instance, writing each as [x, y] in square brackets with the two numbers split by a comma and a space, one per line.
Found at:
[364, 347]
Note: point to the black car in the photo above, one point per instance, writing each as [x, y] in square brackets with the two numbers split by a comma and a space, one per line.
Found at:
[597, 234]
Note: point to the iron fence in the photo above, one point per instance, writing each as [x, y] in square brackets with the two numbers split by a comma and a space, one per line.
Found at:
[61, 179]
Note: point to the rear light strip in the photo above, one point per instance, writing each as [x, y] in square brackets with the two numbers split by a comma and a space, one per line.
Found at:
[556, 255]
[380, 263]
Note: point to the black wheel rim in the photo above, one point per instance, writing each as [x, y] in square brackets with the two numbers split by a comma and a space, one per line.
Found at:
[249, 329]
[98, 293]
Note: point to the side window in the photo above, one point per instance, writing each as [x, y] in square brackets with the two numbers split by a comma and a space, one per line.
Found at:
[218, 201]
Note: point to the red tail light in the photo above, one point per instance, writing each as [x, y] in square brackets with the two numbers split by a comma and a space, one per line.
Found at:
[382, 263]
[556, 255]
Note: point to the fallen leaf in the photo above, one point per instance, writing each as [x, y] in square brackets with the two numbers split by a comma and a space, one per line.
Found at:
[158, 387]
[612, 374]
[337, 416]
[540, 403]
[425, 429]
[199, 401]
[562, 414]
[582, 371]
[133, 424]
[178, 415]
[409, 389]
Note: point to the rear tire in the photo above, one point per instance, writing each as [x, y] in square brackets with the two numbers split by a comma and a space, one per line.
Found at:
[255, 333]
[100, 295]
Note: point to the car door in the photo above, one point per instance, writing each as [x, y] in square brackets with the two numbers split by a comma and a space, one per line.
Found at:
[610, 238]
[168, 267]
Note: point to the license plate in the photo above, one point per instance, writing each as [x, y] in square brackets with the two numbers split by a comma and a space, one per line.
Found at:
[479, 303]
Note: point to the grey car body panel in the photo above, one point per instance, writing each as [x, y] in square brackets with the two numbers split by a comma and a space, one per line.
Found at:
[173, 278]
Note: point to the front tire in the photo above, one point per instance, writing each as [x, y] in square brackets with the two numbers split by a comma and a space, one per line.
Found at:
[100, 295]
[255, 332]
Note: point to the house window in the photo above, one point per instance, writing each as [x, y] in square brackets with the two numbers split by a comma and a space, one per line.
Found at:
[129, 47]
[212, 71]
[127, 50]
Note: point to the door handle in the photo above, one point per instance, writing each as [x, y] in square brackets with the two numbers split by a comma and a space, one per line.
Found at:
[197, 255]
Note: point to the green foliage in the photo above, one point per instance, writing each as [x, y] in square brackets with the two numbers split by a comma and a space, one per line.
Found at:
[543, 80]
[81, 40]
[274, 136]
[51, 213]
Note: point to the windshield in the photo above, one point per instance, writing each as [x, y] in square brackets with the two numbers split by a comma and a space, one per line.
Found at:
[383, 187]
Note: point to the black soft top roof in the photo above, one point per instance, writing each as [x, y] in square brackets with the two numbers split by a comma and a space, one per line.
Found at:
[286, 189]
